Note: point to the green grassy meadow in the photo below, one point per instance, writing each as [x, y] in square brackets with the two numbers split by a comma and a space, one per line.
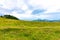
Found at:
[28, 30]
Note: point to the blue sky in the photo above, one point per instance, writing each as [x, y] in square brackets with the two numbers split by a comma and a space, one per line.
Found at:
[31, 9]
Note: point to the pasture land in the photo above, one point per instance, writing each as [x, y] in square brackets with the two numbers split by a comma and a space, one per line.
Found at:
[28, 30]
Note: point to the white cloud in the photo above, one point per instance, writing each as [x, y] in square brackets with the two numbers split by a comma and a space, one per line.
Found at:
[50, 5]
[8, 4]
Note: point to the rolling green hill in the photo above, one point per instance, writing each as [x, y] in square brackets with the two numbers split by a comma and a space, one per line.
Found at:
[11, 29]
[20, 23]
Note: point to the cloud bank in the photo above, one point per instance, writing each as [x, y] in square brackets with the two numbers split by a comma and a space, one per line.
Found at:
[31, 9]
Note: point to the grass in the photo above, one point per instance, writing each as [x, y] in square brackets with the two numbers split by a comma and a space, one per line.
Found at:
[27, 30]
[30, 34]
[19, 23]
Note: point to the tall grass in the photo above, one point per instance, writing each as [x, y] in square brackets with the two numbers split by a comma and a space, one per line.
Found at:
[30, 34]
[28, 30]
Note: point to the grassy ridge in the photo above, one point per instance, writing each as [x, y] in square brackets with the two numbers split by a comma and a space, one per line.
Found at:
[19, 23]
[27, 30]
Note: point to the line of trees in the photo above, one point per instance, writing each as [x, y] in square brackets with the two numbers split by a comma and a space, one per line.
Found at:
[9, 17]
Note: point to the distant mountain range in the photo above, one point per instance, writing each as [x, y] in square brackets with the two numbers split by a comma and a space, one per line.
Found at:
[45, 20]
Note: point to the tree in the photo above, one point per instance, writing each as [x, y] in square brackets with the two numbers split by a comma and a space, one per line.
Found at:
[10, 17]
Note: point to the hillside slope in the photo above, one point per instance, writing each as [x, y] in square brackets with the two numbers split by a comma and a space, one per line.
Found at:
[20, 23]
[28, 30]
